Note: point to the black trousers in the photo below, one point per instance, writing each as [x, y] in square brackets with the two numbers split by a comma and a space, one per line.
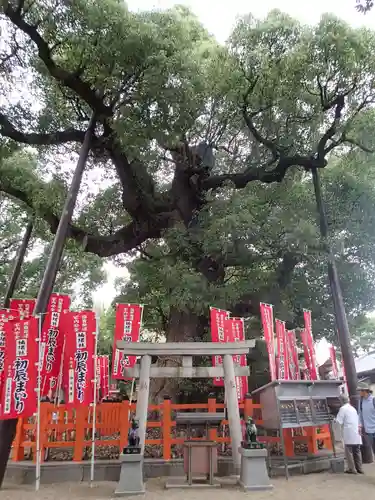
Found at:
[371, 440]
[353, 457]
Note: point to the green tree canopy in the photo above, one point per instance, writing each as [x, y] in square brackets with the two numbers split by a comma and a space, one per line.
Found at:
[80, 273]
[364, 6]
[193, 142]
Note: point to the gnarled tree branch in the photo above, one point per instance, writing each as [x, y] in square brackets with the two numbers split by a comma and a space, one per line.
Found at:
[71, 80]
[125, 239]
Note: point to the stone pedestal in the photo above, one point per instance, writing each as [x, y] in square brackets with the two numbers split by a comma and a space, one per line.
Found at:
[200, 465]
[254, 474]
[131, 477]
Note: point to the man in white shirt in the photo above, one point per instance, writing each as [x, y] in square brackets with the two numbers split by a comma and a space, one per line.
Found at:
[348, 418]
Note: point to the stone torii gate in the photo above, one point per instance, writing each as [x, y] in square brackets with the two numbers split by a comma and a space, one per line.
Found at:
[186, 350]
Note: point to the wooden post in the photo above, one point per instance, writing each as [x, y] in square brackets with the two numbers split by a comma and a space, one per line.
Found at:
[312, 444]
[18, 450]
[80, 434]
[288, 442]
[233, 410]
[167, 428]
[45, 416]
[142, 399]
[248, 409]
[211, 406]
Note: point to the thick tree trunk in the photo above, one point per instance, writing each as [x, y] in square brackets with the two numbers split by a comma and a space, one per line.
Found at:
[183, 326]
[7, 432]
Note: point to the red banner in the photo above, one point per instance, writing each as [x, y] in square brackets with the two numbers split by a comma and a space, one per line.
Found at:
[80, 330]
[267, 321]
[103, 372]
[292, 353]
[4, 315]
[217, 317]
[52, 344]
[25, 307]
[127, 328]
[235, 332]
[282, 351]
[308, 346]
[105, 376]
[332, 353]
[98, 372]
[19, 398]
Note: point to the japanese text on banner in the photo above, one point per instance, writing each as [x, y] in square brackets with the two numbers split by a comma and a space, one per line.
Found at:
[25, 307]
[80, 328]
[5, 316]
[308, 345]
[18, 398]
[104, 372]
[282, 351]
[267, 322]
[292, 352]
[127, 328]
[217, 317]
[52, 343]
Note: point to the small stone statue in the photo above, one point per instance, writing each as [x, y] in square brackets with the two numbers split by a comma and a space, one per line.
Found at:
[133, 438]
[251, 431]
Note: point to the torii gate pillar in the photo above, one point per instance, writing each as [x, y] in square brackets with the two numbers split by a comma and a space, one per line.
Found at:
[233, 410]
[142, 398]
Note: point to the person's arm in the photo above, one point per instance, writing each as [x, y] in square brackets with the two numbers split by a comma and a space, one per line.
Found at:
[360, 416]
[340, 416]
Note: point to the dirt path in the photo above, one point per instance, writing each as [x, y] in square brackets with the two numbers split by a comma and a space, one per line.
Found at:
[311, 487]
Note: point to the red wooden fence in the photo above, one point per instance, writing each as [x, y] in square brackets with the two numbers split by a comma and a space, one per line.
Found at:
[72, 429]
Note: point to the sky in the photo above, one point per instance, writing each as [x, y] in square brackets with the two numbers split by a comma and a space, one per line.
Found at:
[219, 16]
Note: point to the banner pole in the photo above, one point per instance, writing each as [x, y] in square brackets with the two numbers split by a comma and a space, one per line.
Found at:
[37, 466]
[133, 380]
[92, 472]
[59, 382]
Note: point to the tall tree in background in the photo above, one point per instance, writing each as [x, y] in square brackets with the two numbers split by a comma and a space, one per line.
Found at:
[258, 230]
[364, 6]
[80, 273]
[190, 132]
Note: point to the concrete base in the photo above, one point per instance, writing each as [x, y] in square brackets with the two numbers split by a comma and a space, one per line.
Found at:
[254, 475]
[337, 465]
[109, 470]
[131, 476]
[181, 482]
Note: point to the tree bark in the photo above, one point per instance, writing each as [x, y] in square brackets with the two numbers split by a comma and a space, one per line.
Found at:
[183, 326]
[7, 432]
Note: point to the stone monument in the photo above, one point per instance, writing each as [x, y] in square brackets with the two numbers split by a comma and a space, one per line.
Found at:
[253, 473]
[131, 476]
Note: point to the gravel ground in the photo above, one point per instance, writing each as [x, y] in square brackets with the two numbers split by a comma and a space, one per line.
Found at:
[311, 487]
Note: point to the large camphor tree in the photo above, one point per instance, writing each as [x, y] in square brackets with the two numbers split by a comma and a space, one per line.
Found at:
[184, 124]
[198, 148]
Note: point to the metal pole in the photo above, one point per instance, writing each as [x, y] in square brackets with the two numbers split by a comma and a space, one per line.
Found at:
[38, 457]
[338, 302]
[94, 403]
[17, 266]
[49, 276]
[8, 427]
